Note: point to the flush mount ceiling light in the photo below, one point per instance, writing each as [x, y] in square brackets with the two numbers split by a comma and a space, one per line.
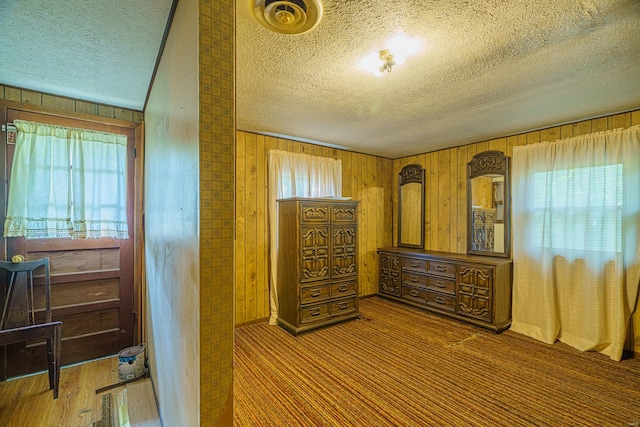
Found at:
[287, 16]
[395, 52]
[387, 61]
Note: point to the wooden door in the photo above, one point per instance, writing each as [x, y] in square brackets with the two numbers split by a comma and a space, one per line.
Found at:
[92, 280]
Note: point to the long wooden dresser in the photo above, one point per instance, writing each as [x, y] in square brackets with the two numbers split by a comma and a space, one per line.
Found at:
[317, 264]
[473, 289]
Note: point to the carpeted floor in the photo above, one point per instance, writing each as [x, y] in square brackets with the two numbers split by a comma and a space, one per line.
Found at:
[399, 366]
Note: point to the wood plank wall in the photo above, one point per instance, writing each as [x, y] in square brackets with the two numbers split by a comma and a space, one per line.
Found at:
[364, 177]
[62, 103]
[446, 170]
[373, 181]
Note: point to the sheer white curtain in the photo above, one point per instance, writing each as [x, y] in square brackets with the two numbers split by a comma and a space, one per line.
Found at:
[67, 182]
[576, 218]
[296, 175]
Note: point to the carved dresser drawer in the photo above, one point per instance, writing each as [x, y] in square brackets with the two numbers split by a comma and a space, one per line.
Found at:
[344, 289]
[313, 213]
[441, 301]
[315, 313]
[447, 269]
[344, 214]
[344, 306]
[442, 285]
[416, 295]
[414, 264]
[414, 280]
[314, 294]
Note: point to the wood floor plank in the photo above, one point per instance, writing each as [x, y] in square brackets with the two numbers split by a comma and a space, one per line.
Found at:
[32, 395]
[142, 404]
[27, 401]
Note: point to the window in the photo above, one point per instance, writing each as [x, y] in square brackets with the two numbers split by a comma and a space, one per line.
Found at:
[67, 182]
[576, 225]
[296, 175]
[579, 208]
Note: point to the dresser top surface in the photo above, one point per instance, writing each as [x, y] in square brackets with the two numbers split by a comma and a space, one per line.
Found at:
[429, 254]
[318, 199]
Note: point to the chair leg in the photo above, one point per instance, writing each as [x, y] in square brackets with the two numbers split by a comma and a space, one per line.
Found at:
[50, 362]
[57, 344]
[53, 359]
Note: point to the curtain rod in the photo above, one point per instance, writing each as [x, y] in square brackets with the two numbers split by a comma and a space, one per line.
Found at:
[9, 127]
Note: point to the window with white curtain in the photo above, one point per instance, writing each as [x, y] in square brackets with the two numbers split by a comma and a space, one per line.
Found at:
[574, 208]
[576, 233]
[296, 175]
[67, 183]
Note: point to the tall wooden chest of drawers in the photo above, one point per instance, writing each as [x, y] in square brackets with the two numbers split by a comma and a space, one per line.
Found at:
[317, 263]
[471, 288]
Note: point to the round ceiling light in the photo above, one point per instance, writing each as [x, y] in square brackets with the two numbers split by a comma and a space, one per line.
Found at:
[287, 16]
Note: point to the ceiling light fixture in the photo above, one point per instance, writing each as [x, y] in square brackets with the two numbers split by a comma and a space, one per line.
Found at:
[387, 61]
[395, 52]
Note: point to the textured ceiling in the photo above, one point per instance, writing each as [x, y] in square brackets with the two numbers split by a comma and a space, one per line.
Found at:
[488, 68]
[101, 51]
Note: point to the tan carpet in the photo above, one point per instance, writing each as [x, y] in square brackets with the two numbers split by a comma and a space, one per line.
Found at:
[399, 366]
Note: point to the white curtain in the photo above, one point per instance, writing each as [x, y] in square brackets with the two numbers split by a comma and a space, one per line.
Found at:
[576, 219]
[296, 175]
[67, 182]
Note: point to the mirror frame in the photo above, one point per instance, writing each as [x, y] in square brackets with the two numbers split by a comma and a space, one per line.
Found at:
[411, 174]
[490, 163]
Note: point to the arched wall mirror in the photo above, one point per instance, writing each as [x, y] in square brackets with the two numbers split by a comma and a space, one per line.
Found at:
[488, 212]
[411, 207]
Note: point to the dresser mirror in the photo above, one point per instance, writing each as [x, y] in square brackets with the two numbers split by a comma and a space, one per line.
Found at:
[411, 207]
[488, 213]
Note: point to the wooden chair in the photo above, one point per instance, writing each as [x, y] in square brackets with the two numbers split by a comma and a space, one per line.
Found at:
[18, 321]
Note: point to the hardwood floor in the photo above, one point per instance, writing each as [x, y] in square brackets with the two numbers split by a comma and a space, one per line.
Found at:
[27, 401]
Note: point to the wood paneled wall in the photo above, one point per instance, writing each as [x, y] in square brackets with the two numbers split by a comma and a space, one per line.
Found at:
[69, 104]
[373, 181]
[446, 171]
[365, 178]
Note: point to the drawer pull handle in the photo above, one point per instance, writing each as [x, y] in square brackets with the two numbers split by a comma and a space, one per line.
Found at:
[315, 312]
[342, 306]
[441, 284]
[414, 293]
[415, 264]
[315, 293]
[414, 279]
[440, 300]
[441, 268]
[343, 288]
